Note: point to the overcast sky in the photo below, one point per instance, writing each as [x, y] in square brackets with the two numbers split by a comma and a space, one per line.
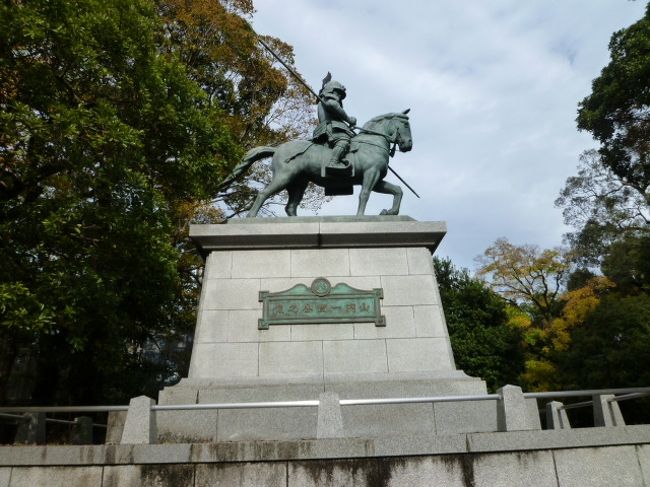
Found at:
[493, 87]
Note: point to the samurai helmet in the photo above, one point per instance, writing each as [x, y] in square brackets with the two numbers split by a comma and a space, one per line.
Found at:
[330, 86]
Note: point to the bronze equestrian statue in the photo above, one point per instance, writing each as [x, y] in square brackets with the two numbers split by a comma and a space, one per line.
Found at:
[335, 158]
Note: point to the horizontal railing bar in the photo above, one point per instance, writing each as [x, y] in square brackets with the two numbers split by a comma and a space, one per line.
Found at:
[416, 400]
[236, 405]
[586, 392]
[624, 394]
[19, 417]
[625, 397]
[67, 421]
[576, 405]
[59, 421]
[62, 409]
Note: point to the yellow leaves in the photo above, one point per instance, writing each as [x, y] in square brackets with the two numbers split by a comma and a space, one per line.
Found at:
[531, 280]
[540, 374]
[578, 304]
[545, 341]
[581, 302]
[525, 274]
[517, 318]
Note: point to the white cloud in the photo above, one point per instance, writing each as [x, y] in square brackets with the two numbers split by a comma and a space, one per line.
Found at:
[493, 88]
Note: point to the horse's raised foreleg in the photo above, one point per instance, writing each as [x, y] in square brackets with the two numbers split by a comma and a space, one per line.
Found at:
[277, 184]
[296, 192]
[390, 188]
[370, 178]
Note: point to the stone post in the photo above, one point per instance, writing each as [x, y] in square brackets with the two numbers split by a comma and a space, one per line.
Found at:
[115, 427]
[512, 410]
[82, 431]
[556, 416]
[31, 430]
[330, 420]
[140, 425]
[606, 412]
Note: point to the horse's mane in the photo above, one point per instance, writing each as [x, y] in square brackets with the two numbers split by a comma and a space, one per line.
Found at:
[375, 122]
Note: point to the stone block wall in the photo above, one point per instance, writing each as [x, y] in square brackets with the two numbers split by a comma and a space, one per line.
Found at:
[594, 457]
[228, 343]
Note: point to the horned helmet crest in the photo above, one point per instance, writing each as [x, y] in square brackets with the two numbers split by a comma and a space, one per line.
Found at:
[331, 86]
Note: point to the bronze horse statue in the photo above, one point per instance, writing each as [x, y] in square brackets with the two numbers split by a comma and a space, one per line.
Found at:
[297, 163]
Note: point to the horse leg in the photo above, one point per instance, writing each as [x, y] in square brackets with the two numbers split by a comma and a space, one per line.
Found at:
[296, 192]
[277, 184]
[370, 178]
[385, 187]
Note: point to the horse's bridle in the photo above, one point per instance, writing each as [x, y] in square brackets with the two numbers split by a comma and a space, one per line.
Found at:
[390, 139]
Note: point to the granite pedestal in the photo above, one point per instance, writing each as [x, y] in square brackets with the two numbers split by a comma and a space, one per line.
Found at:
[234, 361]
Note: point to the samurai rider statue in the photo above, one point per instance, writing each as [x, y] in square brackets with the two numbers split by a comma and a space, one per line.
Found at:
[334, 128]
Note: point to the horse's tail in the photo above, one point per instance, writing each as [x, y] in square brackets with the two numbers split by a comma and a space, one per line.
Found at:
[250, 158]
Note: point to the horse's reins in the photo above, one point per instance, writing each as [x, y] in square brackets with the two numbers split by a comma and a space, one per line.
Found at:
[387, 149]
[391, 151]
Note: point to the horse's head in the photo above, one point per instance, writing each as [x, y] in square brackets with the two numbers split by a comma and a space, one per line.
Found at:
[396, 128]
[402, 131]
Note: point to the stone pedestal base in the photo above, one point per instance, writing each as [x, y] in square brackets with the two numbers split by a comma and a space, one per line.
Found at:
[234, 361]
[300, 423]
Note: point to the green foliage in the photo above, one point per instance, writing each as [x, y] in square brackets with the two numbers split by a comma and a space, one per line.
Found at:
[627, 262]
[613, 348]
[104, 140]
[608, 204]
[264, 104]
[616, 112]
[484, 345]
[20, 309]
[609, 197]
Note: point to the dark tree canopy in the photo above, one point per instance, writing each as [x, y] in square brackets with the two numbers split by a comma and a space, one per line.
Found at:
[617, 112]
[118, 121]
[608, 205]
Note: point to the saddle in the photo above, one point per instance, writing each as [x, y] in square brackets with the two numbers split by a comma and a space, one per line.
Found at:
[342, 177]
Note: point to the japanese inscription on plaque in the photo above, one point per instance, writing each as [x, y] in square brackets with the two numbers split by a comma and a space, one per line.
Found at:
[321, 303]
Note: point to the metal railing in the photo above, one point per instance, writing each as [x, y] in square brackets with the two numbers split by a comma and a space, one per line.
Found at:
[62, 409]
[619, 394]
[626, 394]
[624, 397]
[586, 392]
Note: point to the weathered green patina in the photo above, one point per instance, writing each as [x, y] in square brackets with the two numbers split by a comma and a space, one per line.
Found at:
[321, 303]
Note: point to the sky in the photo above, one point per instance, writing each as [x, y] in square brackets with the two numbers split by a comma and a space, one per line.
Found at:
[493, 87]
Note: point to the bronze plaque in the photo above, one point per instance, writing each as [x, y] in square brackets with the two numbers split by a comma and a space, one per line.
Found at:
[321, 303]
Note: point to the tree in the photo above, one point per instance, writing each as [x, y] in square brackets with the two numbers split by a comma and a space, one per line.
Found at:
[609, 198]
[483, 343]
[627, 263]
[533, 281]
[118, 121]
[264, 104]
[602, 206]
[104, 142]
[526, 276]
[608, 203]
[617, 112]
[555, 339]
[612, 349]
